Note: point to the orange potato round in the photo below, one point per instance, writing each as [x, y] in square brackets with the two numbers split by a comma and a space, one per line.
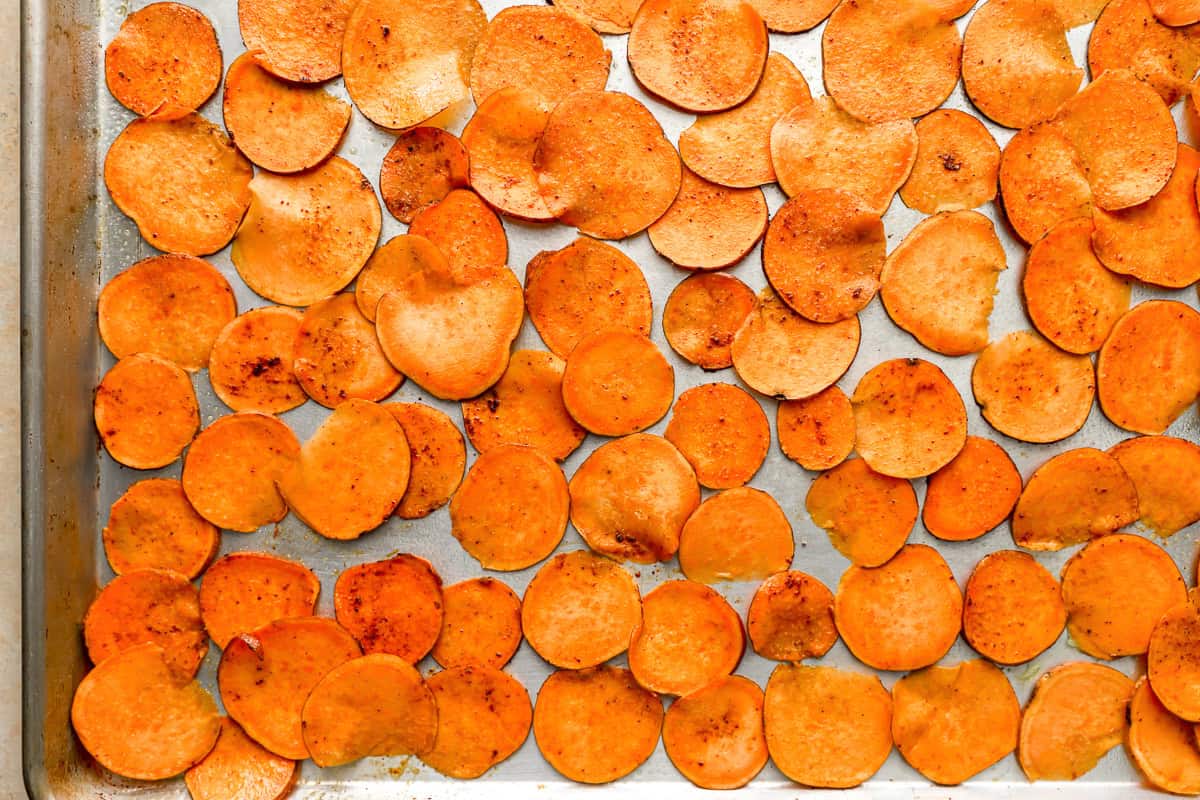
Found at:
[793, 16]
[1030, 390]
[146, 412]
[392, 606]
[868, 516]
[714, 736]
[1074, 497]
[512, 508]
[241, 592]
[631, 497]
[306, 236]
[251, 363]
[481, 624]
[337, 356]
[702, 314]
[152, 525]
[300, 40]
[439, 458]
[1172, 664]
[1166, 474]
[972, 494]
[1078, 12]
[709, 226]
[1162, 745]
[483, 717]
[816, 432]
[736, 535]
[939, 284]
[1176, 12]
[238, 766]
[1013, 609]
[181, 181]
[791, 618]
[617, 382]
[1041, 181]
[500, 139]
[722, 432]
[391, 264]
[172, 306]
[467, 232]
[423, 166]
[957, 164]
[1127, 36]
[602, 16]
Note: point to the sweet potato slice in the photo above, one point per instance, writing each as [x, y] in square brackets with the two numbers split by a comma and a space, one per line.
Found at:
[238, 766]
[181, 181]
[957, 164]
[392, 606]
[543, 49]
[607, 186]
[1076, 715]
[816, 432]
[164, 61]
[266, 676]
[525, 407]
[736, 535]
[1172, 663]
[300, 40]
[1166, 473]
[689, 637]
[617, 382]
[467, 232]
[793, 16]
[148, 605]
[481, 624]
[722, 432]
[791, 618]
[152, 525]
[909, 419]
[423, 166]
[1127, 36]
[1030, 390]
[1072, 498]
[827, 728]
[631, 497]
[1041, 181]
[439, 458]
[1078, 12]
[306, 236]
[1162, 745]
[1115, 590]
[820, 146]
[500, 139]
[251, 363]
[512, 509]
[172, 306]
[781, 354]
[1148, 372]
[242, 592]
[972, 494]
[733, 148]
[141, 719]
[951, 723]
[702, 314]
[405, 61]
[391, 264]
[232, 468]
[338, 357]
[700, 55]
[902, 615]
[868, 516]
[1072, 299]
[709, 226]
[714, 736]
[146, 412]
[596, 725]
[1013, 608]
[351, 473]
[1176, 12]
[483, 717]
[374, 705]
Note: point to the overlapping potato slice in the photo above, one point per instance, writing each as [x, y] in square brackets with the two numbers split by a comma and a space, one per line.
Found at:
[1127, 36]
[392, 606]
[1013, 608]
[483, 717]
[702, 314]
[1176, 12]
[468, 233]
[145, 411]
[152, 525]
[973, 493]
[243, 591]
[439, 458]
[500, 140]
[709, 226]
[1166, 472]
[957, 164]
[816, 432]
[1162, 745]
[602, 16]
[793, 16]
[740, 534]
[1077, 12]
[1171, 662]
[338, 357]
[251, 363]
[300, 40]
[390, 265]
[1041, 181]
[791, 618]
[722, 432]
[868, 516]
[422, 166]
[481, 624]
[238, 764]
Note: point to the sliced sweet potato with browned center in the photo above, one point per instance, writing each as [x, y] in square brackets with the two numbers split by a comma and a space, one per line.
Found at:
[483, 717]
[972, 494]
[392, 606]
[736, 535]
[791, 618]
[145, 411]
[390, 265]
[1176, 12]
[1072, 498]
[423, 166]
[868, 516]
[1162, 745]
[714, 736]
[617, 382]
[957, 164]
[239, 766]
[241, 592]
[1013, 608]
[300, 40]
[793, 16]
[722, 432]
[709, 226]
[1041, 181]
[250, 367]
[1127, 36]
[1172, 663]
[702, 314]
[1166, 472]
[481, 624]
[338, 357]
[816, 432]
[439, 458]
[152, 525]
[500, 139]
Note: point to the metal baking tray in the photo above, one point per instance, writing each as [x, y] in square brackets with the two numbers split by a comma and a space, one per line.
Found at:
[74, 239]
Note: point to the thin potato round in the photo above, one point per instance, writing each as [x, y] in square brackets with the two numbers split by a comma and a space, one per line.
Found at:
[483, 717]
[1041, 181]
[1013, 609]
[779, 353]
[238, 766]
[1030, 390]
[1176, 12]
[300, 40]
[737, 535]
[172, 306]
[152, 525]
[714, 736]
[1072, 298]
[422, 166]
[241, 592]
[957, 164]
[1166, 473]
[972, 494]
[617, 382]
[1078, 12]
[1072, 498]
[1127, 36]
[467, 232]
[439, 458]
[793, 16]
[251, 363]
[709, 226]
[607, 186]
[689, 637]
[181, 181]
[512, 508]
[940, 283]
[500, 139]
[823, 254]
[337, 356]
[733, 148]
[1162, 745]
[602, 16]
[306, 236]
[1148, 372]
[902, 615]
[232, 468]
[791, 618]
[722, 432]
[481, 624]
[702, 314]
[392, 606]
[1172, 664]
[868, 516]
[146, 412]
[816, 432]
[390, 265]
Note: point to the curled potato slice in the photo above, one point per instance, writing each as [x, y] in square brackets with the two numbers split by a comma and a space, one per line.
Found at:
[868, 516]
[791, 618]
[1166, 473]
[709, 226]
[722, 432]
[714, 736]
[238, 765]
[483, 717]
[972, 494]
[392, 606]
[145, 411]
[251, 363]
[1171, 661]
[1074, 497]
[241, 592]
[1176, 12]
[957, 164]
[390, 265]
[1042, 181]
[422, 166]
[816, 432]
[152, 525]
[1013, 609]
[481, 624]
[439, 458]
[467, 232]
[740, 534]
[1162, 745]
[1127, 36]
[702, 314]
[617, 382]
[300, 40]
[500, 140]
[338, 357]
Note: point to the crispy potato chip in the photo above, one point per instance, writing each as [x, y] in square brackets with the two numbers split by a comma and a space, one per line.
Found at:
[152, 525]
[392, 606]
[423, 166]
[300, 40]
[722, 432]
[939, 284]
[466, 231]
[338, 357]
[391, 264]
[250, 367]
[1016, 65]
[972, 494]
[241, 592]
[957, 164]
[739, 534]
[1013, 609]
[481, 624]
[709, 226]
[231, 470]
[791, 618]
[868, 516]
[1041, 181]
[714, 736]
[238, 766]
[1172, 664]
[181, 181]
[1072, 498]
[816, 432]
[145, 410]
[951, 723]
[702, 314]
[826, 727]
[483, 717]
[141, 719]
[1030, 390]
[1176, 12]
[779, 353]
[631, 497]
[1148, 372]
[512, 508]
[1162, 745]
[820, 146]
[617, 382]
[608, 186]
[439, 458]
[1166, 472]
[500, 139]
[1127, 36]
[306, 236]
[902, 615]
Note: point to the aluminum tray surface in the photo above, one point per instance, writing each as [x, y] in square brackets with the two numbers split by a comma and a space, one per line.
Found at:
[75, 239]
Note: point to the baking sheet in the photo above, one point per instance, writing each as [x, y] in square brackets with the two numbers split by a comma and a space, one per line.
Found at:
[75, 239]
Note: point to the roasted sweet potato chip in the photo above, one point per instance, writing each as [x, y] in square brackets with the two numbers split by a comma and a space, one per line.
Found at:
[1127, 36]
[791, 618]
[1074, 497]
[1172, 663]
[722, 432]
[392, 606]
[714, 736]
[709, 226]
[300, 40]
[737, 535]
[816, 432]
[181, 181]
[1176, 12]
[826, 727]
[391, 264]
[481, 624]
[241, 592]
[617, 382]
[423, 166]
[153, 525]
[1166, 472]
[338, 357]
[512, 508]
[793, 16]
[1012, 609]
[1162, 745]
[1077, 12]
[972, 494]
[702, 314]
[483, 717]
[238, 766]
[868, 516]
[500, 139]
[439, 458]
[306, 236]
[250, 367]
[957, 164]
[145, 410]
[1041, 181]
